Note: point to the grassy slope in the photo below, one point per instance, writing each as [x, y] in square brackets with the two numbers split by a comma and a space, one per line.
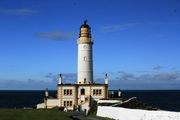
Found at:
[20, 114]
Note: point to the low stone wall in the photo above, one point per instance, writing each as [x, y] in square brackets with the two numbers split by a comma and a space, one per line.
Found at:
[53, 103]
[119, 113]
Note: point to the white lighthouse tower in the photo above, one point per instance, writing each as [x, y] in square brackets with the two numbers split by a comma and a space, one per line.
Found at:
[85, 58]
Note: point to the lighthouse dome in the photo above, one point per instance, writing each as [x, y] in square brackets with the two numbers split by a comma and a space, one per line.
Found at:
[85, 31]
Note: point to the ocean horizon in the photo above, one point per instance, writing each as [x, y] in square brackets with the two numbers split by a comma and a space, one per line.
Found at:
[163, 99]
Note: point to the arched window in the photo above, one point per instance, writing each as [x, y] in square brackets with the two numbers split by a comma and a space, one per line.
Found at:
[82, 91]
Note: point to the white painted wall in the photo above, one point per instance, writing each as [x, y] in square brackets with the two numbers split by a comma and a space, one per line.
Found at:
[109, 101]
[119, 113]
[85, 63]
[40, 106]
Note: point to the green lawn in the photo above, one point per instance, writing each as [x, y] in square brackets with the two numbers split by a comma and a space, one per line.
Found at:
[20, 114]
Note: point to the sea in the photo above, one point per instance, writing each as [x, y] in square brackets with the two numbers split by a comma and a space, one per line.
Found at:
[163, 99]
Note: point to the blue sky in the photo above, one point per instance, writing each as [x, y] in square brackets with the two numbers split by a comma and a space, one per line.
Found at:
[136, 42]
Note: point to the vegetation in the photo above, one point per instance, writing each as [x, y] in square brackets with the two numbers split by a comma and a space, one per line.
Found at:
[21, 114]
[33, 114]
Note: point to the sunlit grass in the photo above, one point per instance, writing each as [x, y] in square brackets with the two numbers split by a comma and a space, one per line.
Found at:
[21, 114]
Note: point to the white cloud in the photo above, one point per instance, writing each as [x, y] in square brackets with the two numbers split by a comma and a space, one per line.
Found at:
[56, 35]
[22, 11]
[158, 67]
[120, 27]
[29, 84]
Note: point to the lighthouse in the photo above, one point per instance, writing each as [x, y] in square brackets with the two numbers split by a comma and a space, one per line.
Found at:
[85, 57]
[84, 93]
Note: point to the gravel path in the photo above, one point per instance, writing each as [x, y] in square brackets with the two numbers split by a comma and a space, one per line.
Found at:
[81, 116]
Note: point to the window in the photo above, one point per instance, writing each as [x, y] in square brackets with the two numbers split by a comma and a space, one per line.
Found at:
[70, 92]
[82, 91]
[64, 92]
[100, 92]
[85, 58]
[97, 92]
[94, 92]
[84, 80]
[68, 103]
[67, 91]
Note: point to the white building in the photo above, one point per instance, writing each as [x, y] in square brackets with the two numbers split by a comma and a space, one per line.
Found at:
[84, 92]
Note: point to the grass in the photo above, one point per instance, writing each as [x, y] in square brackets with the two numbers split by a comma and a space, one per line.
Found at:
[25, 114]
[21, 114]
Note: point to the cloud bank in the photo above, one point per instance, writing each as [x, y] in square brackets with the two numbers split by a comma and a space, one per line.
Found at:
[160, 80]
[123, 80]
[67, 77]
[159, 67]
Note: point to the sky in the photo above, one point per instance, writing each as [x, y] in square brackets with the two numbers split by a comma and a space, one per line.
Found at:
[137, 42]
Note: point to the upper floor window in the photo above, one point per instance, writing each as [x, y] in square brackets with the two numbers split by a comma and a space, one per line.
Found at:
[97, 92]
[67, 91]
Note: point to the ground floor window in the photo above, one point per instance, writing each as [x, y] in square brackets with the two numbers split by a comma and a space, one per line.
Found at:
[68, 103]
